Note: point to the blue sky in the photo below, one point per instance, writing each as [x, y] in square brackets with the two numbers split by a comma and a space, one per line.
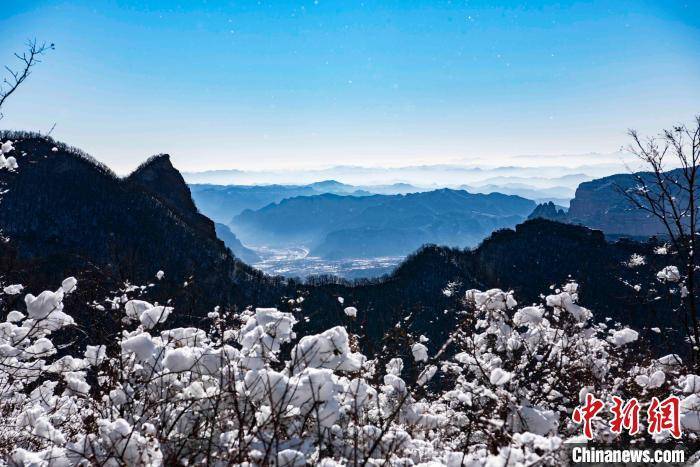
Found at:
[263, 84]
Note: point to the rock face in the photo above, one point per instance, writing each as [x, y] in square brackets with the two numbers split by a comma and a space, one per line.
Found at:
[549, 211]
[600, 204]
[65, 213]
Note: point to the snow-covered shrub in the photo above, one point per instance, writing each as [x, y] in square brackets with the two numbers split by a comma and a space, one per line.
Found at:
[249, 390]
[7, 162]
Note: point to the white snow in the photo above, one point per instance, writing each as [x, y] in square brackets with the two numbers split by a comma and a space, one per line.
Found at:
[141, 345]
[316, 399]
[6, 147]
[180, 359]
[528, 315]
[636, 261]
[624, 336]
[330, 349]
[155, 315]
[691, 384]
[669, 274]
[13, 289]
[657, 379]
[499, 376]
[68, 285]
[47, 302]
[134, 308]
[95, 354]
[420, 352]
[15, 316]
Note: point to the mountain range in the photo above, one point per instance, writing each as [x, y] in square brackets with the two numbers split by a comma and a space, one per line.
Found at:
[331, 227]
[540, 171]
[222, 202]
[335, 226]
[65, 214]
[557, 194]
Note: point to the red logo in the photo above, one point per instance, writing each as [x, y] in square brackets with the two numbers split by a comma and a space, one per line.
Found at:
[586, 413]
[625, 416]
[661, 415]
[665, 415]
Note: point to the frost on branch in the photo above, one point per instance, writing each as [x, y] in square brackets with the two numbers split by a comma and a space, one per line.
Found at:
[501, 390]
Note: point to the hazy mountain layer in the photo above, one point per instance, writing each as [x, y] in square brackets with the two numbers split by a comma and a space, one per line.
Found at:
[223, 202]
[540, 171]
[380, 225]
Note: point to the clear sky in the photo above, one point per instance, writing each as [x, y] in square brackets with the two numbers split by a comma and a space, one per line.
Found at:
[270, 84]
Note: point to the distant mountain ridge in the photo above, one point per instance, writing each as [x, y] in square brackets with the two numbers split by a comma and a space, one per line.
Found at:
[557, 194]
[468, 171]
[549, 211]
[223, 202]
[335, 226]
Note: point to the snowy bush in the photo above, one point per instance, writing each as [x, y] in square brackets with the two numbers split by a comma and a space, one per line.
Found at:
[249, 390]
[7, 162]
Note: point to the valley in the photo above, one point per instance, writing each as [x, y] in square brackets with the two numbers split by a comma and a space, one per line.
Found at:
[297, 262]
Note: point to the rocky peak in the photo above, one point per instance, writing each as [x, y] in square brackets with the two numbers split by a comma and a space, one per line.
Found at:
[548, 211]
[159, 178]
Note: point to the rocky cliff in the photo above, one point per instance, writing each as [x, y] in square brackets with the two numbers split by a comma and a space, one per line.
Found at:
[600, 204]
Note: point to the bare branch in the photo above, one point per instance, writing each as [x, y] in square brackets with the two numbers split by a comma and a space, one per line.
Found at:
[28, 59]
[671, 196]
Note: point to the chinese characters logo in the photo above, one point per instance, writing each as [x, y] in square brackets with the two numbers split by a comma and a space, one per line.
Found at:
[661, 415]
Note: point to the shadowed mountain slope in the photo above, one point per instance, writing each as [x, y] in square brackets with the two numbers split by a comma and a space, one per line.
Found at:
[64, 213]
[530, 259]
[235, 245]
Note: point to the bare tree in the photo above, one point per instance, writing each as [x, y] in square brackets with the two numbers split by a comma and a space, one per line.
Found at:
[28, 59]
[669, 193]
